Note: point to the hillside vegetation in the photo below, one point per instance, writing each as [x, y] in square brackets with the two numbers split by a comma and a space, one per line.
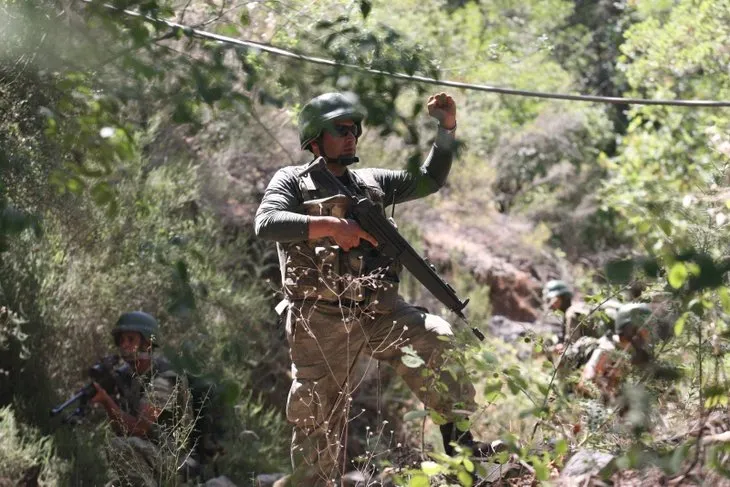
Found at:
[133, 157]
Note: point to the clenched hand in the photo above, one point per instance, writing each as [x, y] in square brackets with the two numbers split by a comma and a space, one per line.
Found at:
[443, 108]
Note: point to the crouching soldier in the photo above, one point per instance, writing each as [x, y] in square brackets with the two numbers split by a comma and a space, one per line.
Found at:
[579, 319]
[615, 355]
[151, 414]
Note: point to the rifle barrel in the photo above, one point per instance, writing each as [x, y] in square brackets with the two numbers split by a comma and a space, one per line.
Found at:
[79, 395]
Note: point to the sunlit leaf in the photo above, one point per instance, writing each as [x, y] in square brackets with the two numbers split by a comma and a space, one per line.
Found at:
[677, 275]
[419, 481]
[465, 478]
[431, 468]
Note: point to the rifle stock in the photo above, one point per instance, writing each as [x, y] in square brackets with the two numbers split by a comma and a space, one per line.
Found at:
[392, 244]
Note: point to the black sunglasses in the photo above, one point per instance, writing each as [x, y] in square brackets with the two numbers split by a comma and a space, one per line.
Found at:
[343, 130]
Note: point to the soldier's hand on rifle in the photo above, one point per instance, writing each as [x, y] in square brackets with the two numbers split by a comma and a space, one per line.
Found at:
[443, 108]
[101, 396]
[347, 234]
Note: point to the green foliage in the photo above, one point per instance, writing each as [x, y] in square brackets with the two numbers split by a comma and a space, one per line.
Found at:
[112, 131]
[25, 454]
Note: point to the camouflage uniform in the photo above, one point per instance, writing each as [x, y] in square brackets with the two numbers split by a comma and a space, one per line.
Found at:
[611, 359]
[579, 352]
[154, 460]
[584, 320]
[342, 305]
[324, 349]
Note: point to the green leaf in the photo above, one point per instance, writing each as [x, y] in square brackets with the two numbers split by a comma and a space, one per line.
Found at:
[431, 468]
[438, 418]
[410, 358]
[492, 389]
[561, 447]
[102, 193]
[679, 324]
[228, 30]
[419, 481]
[463, 424]
[245, 18]
[725, 299]
[75, 185]
[465, 479]
[468, 465]
[412, 361]
[541, 470]
[415, 414]
[677, 275]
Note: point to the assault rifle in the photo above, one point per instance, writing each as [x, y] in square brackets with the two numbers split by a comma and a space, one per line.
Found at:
[392, 244]
[109, 374]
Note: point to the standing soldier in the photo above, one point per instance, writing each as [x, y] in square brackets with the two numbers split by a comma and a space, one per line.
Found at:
[341, 300]
[151, 415]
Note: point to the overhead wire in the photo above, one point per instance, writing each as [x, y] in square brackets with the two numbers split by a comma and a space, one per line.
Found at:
[277, 51]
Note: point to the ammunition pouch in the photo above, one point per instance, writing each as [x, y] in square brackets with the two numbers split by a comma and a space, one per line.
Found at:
[319, 270]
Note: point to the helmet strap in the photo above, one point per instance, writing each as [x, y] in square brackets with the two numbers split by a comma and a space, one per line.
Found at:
[345, 161]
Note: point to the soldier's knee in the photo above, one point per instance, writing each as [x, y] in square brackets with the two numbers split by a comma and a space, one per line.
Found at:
[312, 404]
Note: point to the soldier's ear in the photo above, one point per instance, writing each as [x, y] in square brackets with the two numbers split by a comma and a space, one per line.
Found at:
[314, 147]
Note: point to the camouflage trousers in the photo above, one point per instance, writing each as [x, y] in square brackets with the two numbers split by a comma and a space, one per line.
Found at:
[140, 463]
[325, 344]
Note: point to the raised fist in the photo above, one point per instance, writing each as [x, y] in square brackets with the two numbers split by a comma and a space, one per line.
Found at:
[443, 108]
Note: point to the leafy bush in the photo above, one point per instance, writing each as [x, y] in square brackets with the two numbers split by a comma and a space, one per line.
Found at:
[25, 454]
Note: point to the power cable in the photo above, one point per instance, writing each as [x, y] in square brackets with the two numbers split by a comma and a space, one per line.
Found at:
[615, 100]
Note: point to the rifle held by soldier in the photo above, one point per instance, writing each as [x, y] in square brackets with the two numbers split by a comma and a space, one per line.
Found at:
[392, 244]
[107, 373]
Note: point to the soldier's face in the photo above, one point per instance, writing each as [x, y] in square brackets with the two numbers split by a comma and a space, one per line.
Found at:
[130, 343]
[339, 142]
[558, 303]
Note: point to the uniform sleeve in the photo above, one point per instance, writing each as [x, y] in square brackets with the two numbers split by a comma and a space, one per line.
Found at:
[276, 217]
[169, 393]
[404, 185]
[160, 392]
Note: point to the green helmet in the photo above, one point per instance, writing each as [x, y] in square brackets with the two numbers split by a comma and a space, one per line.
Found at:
[556, 288]
[138, 321]
[635, 314]
[325, 109]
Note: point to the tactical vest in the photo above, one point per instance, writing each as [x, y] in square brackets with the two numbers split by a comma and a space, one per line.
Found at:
[177, 416]
[319, 270]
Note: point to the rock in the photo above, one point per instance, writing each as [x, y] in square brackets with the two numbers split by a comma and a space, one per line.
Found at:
[494, 472]
[496, 258]
[221, 481]
[583, 465]
[271, 480]
[508, 330]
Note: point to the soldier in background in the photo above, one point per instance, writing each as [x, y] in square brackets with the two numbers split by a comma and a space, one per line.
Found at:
[151, 416]
[579, 319]
[615, 354]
